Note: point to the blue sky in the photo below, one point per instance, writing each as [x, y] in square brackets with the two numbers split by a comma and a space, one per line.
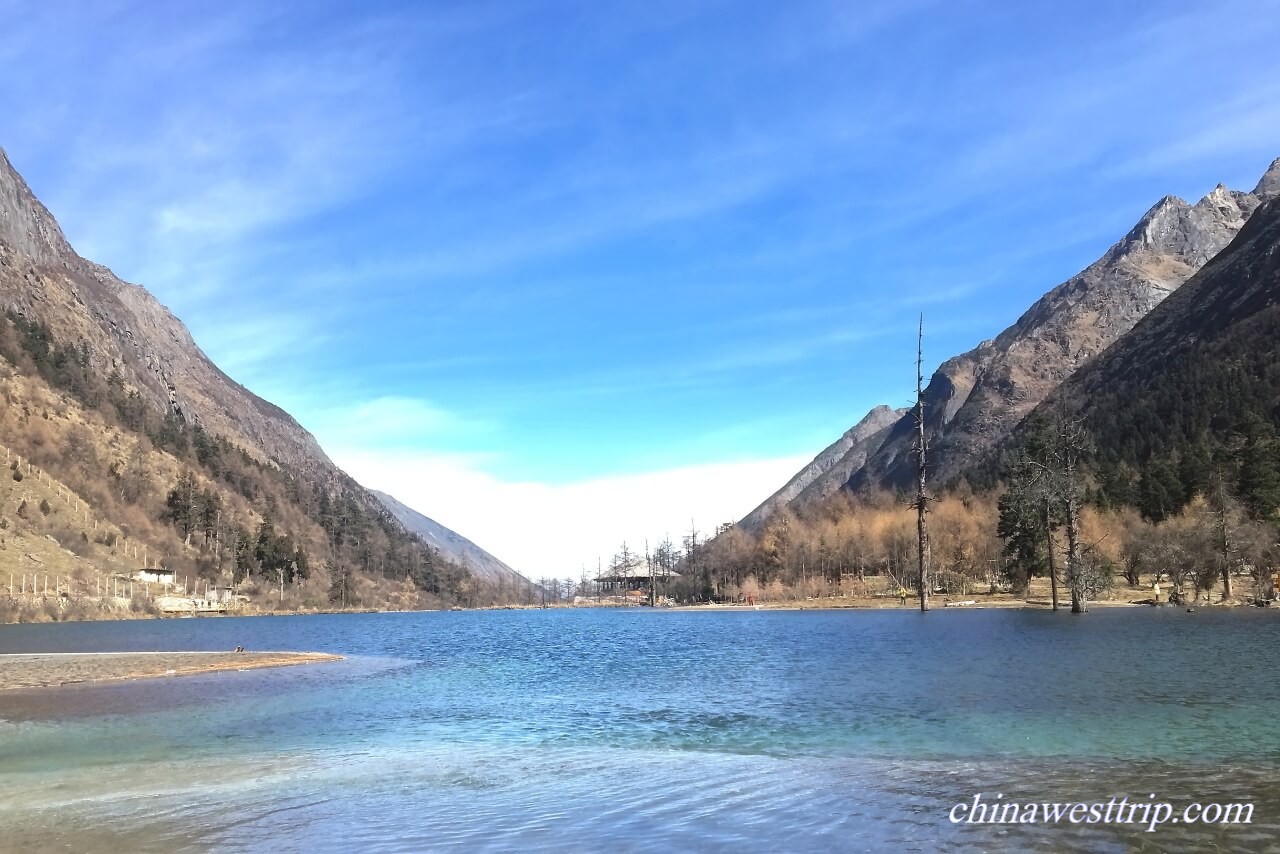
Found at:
[562, 273]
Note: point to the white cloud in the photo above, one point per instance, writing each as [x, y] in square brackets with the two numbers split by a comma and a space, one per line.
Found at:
[554, 530]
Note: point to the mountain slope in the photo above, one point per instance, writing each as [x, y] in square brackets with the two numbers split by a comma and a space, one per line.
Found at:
[451, 544]
[975, 399]
[127, 330]
[830, 469]
[160, 441]
[1194, 388]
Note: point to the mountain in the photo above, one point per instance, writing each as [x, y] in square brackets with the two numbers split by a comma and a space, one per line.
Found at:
[452, 545]
[127, 330]
[1193, 391]
[830, 469]
[975, 399]
[109, 395]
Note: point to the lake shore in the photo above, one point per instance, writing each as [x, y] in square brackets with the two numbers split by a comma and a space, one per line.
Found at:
[50, 670]
[913, 604]
[1038, 600]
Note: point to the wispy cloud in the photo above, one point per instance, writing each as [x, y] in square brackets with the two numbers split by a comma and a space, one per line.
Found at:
[242, 343]
[392, 423]
[1246, 123]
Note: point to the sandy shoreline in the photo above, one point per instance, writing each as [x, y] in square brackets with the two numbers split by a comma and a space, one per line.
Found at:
[49, 670]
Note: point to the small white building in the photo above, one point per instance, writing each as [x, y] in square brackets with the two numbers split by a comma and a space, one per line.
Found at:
[156, 575]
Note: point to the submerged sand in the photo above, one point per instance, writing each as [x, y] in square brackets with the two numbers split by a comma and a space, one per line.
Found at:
[48, 670]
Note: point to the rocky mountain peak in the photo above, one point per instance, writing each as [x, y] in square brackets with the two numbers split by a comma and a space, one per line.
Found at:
[877, 419]
[976, 398]
[1159, 226]
[1269, 187]
[1189, 234]
[1222, 205]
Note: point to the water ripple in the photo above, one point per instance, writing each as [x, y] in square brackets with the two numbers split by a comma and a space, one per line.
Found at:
[647, 731]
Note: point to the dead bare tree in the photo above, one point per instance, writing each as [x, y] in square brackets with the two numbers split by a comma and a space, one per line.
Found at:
[921, 501]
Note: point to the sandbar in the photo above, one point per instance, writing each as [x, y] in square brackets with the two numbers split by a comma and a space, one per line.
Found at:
[50, 670]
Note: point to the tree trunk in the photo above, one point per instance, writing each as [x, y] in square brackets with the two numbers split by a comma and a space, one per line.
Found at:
[922, 501]
[1079, 596]
[1053, 569]
[1225, 544]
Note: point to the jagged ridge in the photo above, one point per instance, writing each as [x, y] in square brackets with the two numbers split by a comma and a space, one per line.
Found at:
[975, 399]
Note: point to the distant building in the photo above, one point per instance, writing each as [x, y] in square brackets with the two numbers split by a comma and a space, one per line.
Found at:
[634, 579]
[222, 594]
[156, 575]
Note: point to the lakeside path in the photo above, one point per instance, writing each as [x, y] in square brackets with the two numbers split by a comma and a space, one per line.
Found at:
[48, 670]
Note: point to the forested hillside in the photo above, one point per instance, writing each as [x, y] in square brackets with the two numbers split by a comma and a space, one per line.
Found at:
[106, 392]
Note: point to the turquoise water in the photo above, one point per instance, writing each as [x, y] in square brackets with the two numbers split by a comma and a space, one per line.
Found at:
[647, 731]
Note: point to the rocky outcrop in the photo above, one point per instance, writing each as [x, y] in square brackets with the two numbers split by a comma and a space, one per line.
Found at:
[1269, 187]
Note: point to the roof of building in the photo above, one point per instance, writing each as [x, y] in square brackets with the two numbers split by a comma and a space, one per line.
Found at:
[636, 572]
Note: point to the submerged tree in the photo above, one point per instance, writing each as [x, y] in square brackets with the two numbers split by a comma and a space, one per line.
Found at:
[1026, 531]
[1047, 482]
[1029, 514]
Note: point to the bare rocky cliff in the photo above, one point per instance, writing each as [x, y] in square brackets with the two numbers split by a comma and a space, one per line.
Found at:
[127, 330]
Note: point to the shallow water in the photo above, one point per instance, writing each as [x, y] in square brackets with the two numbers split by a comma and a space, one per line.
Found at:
[642, 730]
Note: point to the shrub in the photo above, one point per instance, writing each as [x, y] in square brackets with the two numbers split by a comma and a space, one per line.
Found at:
[78, 545]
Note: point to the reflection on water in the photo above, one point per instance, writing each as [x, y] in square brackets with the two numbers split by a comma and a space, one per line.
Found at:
[647, 731]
